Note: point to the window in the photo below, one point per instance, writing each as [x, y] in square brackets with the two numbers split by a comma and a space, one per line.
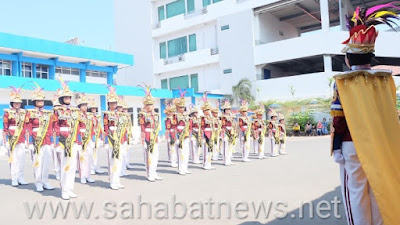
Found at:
[67, 71]
[226, 27]
[209, 2]
[192, 43]
[206, 3]
[27, 69]
[179, 82]
[164, 84]
[161, 13]
[227, 71]
[93, 73]
[175, 8]
[177, 46]
[194, 81]
[267, 74]
[42, 72]
[5, 67]
[190, 6]
[163, 50]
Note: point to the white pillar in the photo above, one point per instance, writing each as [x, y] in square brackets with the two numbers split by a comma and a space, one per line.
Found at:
[256, 29]
[327, 63]
[324, 8]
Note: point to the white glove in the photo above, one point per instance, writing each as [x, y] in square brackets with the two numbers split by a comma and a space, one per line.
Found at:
[338, 156]
[7, 145]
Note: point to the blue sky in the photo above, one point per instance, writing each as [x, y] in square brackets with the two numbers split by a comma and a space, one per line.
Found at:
[59, 20]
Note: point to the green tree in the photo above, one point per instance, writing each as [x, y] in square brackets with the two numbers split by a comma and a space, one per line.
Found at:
[243, 91]
[301, 118]
[292, 90]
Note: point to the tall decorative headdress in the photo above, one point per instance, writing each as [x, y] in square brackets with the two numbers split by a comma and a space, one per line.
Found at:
[15, 95]
[148, 98]
[362, 27]
[206, 105]
[272, 112]
[243, 106]
[82, 99]
[37, 92]
[65, 91]
[120, 102]
[193, 109]
[261, 109]
[112, 94]
[56, 97]
[180, 102]
[227, 104]
[92, 103]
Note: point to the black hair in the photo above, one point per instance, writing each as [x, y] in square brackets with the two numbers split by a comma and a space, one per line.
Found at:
[226, 109]
[61, 100]
[359, 59]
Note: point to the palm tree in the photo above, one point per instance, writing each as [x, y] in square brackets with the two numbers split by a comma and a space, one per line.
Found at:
[243, 91]
[292, 90]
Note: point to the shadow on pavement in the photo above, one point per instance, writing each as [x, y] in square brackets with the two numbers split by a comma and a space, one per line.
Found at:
[293, 216]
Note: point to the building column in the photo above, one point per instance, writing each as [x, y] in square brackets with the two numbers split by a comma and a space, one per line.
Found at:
[16, 65]
[256, 29]
[82, 75]
[33, 70]
[163, 116]
[327, 63]
[52, 69]
[110, 75]
[103, 103]
[193, 100]
[324, 8]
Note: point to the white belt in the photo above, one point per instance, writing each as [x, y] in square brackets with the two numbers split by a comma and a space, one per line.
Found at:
[35, 129]
[195, 129]
[66, 129]
[148, 129]
[181, 127]
[207, 129]
[112, 128]
[12, 127]
[82, 130]
[245, 127]
[259, 129]
[172, 130]
[228, 128]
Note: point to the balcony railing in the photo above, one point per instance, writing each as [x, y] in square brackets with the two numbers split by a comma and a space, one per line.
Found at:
[179, 58]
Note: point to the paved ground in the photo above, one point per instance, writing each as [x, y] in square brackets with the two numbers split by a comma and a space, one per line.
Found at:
[307, 173]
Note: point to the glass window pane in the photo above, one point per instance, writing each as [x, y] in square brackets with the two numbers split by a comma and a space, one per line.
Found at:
[215, 1]
[179, 82]
[161, 13]
[226, 27]
[192, 43]
[206, 2]
[177, 46]
[163, 50]
[190, 5]
[164, 84]
[175, 8]
[75, 71]
[44, 75]
[7, 72]
[194, 82]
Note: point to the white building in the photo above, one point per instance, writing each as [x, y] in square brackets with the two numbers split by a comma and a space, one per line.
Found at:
[287, 48]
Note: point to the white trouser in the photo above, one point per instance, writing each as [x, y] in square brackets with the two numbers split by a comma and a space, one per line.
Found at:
[245, 147]
[206, 156]
[41, 164]
[114, 166]
[282, 147]
[85, 160]
[123, 157]
[195, 150]
[227, 151]
[216, 148]
[57, 156]
[18, 161]
[174, 154]
[259, 148]
[273, 146]
[151, 161]
[129, 148]
[68, 169]
[183, 156]
[95, 156]
[360, 204]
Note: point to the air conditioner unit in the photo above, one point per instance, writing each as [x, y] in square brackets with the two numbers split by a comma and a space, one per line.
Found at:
[181, 58]
[204, 10]
[158, 25]
[166, 61]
